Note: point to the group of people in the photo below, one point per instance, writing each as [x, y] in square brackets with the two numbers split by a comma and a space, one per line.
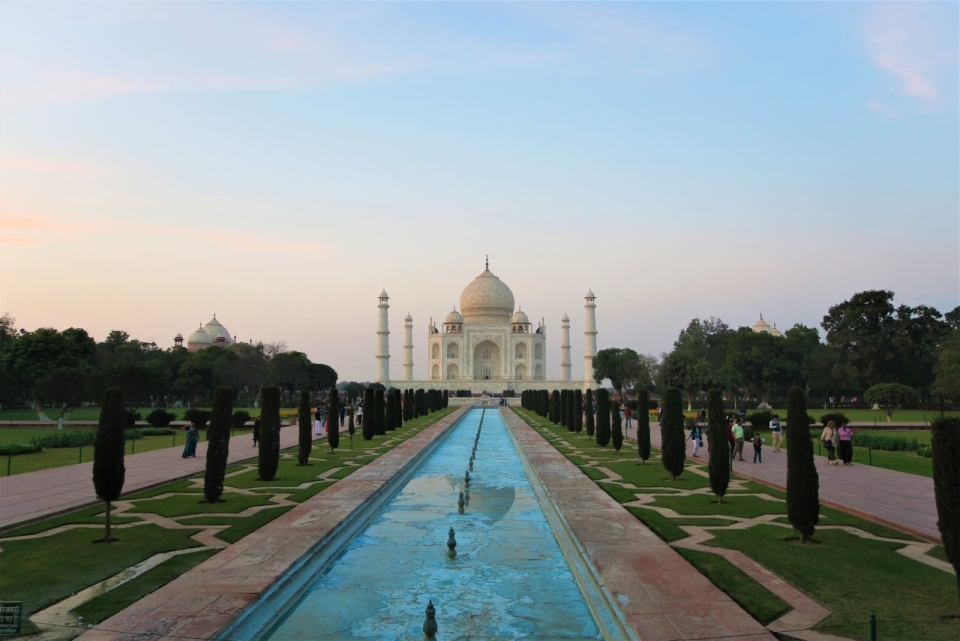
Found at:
[839, 440]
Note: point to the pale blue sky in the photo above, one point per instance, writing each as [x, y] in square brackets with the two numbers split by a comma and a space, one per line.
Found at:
[279, 163]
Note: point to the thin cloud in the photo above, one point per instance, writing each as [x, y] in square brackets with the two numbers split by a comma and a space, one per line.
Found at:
[875, 106]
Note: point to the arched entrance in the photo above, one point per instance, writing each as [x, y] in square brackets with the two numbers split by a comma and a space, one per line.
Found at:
[521, 371]
[453, 371]
[486, 361]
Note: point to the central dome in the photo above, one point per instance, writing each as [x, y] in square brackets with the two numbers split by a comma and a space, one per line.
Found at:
[486, 299]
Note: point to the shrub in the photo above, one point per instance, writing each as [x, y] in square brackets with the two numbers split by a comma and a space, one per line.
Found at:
[130, 418]
[13, 449]
[239, 419]
[839, 418]
[218, 444]
[304, 423]
[643, 426]
[603, 417]
[269, 458]
[150, 431]
[673, 446]
[759, 420]
[200, 417]
[69, 439]
[719, 445]
[160, 417]
[945, 443]
[886, 443]
[803, 482]
[108, 469]
[588, 412]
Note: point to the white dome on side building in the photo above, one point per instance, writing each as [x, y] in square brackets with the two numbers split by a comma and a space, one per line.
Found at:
[199, 340]
[215, 330]
[454, 317]
[487, 299]
[519, 317]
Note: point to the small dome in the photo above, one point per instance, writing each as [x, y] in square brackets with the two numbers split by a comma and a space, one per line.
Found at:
[454, 317]
[409, 318]
[775, 331]
[520, 317]
[215, 329]
[200, 337]
[178, 337]
[487, 299]
[589, 293]
[383, 294]
[565, 319]
[762, 326]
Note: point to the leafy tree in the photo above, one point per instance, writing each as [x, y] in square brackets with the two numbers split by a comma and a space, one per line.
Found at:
[367, 427]
[673, 447]
[333, 429]
[218, 444]
[603, 417]
[719, 465]
[116, 338]
[685, 370]
[621, 365]
[760, 362]
[803, 482]
[617, 430]
[304, 423]
[269, 459]
[108, 469]
[352, 390]
[947, 368]
[588, 412]
[577, 411]
[945, 445]
[889, 396]
[643, 425]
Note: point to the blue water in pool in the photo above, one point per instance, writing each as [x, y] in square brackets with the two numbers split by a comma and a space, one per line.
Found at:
[509, 579]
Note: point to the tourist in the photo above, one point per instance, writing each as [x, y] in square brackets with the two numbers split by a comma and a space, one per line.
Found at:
[845, 435]
[731, 440]
[360, 415]
[343, 413]
[660, 414]
[738, 436]
[627, 415]
[193, 437]
[318, 419]
[256, 431]
[696, 435]
[827, 437]
[699, 416]
[776, 431]
[757, 444]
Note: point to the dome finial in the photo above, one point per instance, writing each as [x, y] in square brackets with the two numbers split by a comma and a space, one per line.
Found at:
[487, 264]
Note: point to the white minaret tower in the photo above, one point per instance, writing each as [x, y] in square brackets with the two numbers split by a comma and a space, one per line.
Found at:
[565, 349]
[383, 340]
[408, 348]
[590, 341]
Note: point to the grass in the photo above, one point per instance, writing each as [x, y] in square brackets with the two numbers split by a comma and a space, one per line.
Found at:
[742, 506]
[239, 528]
[93, 413]
[122, 596]
[880, 416]
[91, 515]
[182, 505]
[763, 605]
[846, 573]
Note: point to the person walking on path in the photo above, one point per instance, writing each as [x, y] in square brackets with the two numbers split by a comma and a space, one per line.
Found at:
[845, 435]
[193, 437]
[256, 431]
[757, 444]
[828, 437]
[360, 415]
[738, 436]
[627, 415]
[660, 414]
[343, 413]
[696, 435]
[318, 419]
[776, 432]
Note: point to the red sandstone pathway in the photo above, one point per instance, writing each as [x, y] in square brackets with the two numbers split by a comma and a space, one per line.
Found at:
[26, 497]
[902, 501]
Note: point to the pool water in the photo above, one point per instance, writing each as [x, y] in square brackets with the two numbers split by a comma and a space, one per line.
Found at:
[509, 578]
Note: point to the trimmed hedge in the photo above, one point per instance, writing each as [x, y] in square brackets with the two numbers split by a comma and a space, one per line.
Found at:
[13, 449]
[160, 417]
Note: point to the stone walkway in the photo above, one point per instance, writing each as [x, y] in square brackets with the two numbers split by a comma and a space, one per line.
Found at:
[35, 495]
[898, 500]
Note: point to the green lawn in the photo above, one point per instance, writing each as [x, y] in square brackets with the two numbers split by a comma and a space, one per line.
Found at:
[850, 575]
[93, 413]
[879, 416]
[44, 570]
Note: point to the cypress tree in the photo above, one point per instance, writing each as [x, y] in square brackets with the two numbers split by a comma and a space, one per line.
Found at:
[269, 458]
[803, 482]
[617, 426]
[351, 428]
[643, 426]
[562, 409]
[367, 427]
[603, 417]
[570, 412]
[577, 411]
[673, 445]
[446, 400]
[555, 407]
[108, 469]
[945, 443]
[588, 412]
[303, 426]
[218, 444]
[379, 413]
[333, 425]
[390, 413]
[421, 405]
[719, 445]
[398, 404]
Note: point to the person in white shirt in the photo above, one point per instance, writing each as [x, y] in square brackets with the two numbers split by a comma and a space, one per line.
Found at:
[776, 431]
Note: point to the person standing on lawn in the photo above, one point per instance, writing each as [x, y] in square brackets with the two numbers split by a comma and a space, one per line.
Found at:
[776, 432]
[193, 437]
[738, 437]
[845, 435]
[827, 437]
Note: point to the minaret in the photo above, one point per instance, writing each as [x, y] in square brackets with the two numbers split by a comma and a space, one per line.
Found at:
[383, 340]
[408, 348]
[590, 341]
[565, 349]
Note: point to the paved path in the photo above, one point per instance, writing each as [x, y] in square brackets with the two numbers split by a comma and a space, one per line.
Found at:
[27, 497]
[902, 501]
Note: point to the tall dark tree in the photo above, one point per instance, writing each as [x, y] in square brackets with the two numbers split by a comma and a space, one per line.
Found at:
[407, 409]
[945, 443]
[333, 425]
[555, 407]
[643, 425]
[305, 439]
[570, 412]
[367, 427]
[218, 444]
[603, 417]
[617, 431]
[420, 404]
[563, 409]
[588, 412]
[673, 445]
[577, 411]
[392, 411]
[108, 469]
[719, 445]
[803, 482]
[379, 413]
[269, 458]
